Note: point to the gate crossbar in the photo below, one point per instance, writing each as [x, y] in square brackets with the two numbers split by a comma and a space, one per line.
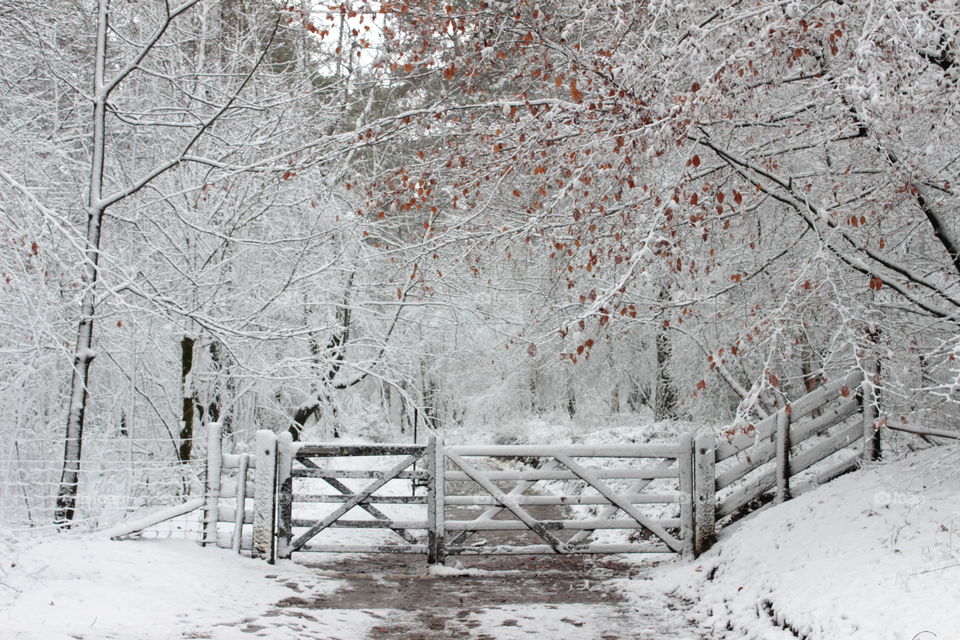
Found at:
[369, 508]
[616, 500]
[610, 510]
[492, 512]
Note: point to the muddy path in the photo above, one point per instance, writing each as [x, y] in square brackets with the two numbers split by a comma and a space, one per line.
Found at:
[489, 598]
[485, 598]
[557, 597]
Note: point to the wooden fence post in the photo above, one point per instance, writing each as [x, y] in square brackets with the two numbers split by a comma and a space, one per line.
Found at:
[783, 455]
[287, 450]
[241, 504]
[212, 486]
[265, 497]
[436, 547]
[687, 496]
[868, 399]
[704, 493]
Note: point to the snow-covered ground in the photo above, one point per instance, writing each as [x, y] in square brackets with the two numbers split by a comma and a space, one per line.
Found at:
[151, 589]
[93, 589]
[874, 555]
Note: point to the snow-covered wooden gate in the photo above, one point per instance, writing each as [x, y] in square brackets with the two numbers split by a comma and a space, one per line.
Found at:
[562, 496]
[444, 500]
[320, 485]
[481, 499]
[670, 496]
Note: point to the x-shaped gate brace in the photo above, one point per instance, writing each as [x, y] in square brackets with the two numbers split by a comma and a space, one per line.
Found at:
[508, 502]
[369, 508]
[357, 499]
[562, 461]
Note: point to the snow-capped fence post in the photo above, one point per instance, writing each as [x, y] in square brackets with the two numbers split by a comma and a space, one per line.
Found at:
[287, 450]
[687, 495]
[704, 492]
[435, 499]
[212, 488]
[265, 500]
[240, 511]
[783, 455]
[868, 400]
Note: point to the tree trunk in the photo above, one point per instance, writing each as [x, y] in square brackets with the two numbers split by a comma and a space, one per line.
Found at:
[873, 371]
[665, 407]
[83, 348]
[637, 396]
[571, 402]
[665, 401]
[535, 406]
[188, 411]
[809, 368]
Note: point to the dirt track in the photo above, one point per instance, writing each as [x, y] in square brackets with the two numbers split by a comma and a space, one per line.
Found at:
[475, 597]
[555, 597]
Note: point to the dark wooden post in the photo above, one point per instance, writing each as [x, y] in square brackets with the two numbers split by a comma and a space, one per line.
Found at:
[436, 551]
[868, 399]
[783, 455]
[286, 451]
[685, 475]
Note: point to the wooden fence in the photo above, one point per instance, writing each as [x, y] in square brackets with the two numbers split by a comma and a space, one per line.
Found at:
[284, 496]
[765, 458]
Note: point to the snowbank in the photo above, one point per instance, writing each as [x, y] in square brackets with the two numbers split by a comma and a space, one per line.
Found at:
[874, 555]
[150, 589]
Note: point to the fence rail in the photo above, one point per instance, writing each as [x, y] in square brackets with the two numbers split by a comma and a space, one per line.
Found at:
[792, 440]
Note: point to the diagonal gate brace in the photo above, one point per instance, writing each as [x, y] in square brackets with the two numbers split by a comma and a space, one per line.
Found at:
[354, 501]
[369, 508]
[492, 512]
[609, 510]
[595, 482]
[532, 523]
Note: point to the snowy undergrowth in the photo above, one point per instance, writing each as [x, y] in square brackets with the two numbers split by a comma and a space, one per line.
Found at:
[622, 428]
[874, 555]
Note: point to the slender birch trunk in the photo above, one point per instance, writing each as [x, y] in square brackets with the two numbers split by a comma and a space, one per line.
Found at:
[83, 349]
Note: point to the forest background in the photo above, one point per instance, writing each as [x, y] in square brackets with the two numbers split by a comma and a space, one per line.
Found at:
[353, 217]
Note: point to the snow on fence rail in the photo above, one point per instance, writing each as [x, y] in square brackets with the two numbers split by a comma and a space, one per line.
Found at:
[809, 431]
